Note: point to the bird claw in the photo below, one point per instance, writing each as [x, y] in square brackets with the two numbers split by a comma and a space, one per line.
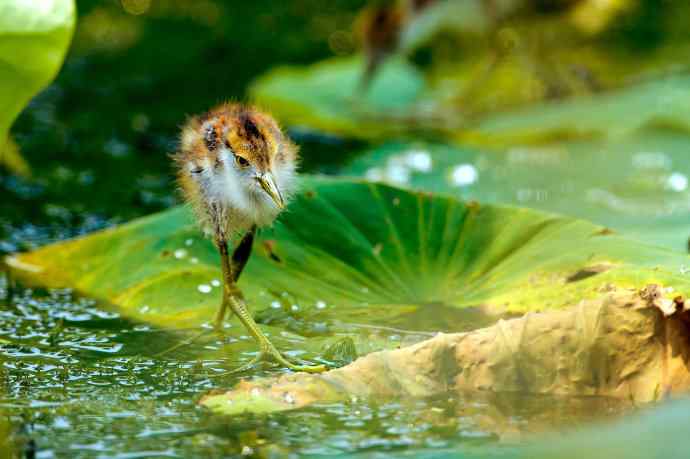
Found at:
[271, 354]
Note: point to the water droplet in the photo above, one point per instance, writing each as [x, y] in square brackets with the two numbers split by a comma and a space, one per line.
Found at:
[320, 304]
[419, 160]
[247, 451]
[651, 160]
[464, 174]
[180, 253]
[188, 242]
[275, 304]
[194, 260]
[294, 307]
[397, 173]
[289, 398]
[374, 174]
[215, 283]
[532, 195]
[61, 423]
[204, 288]
[255, 392]
[677, 182]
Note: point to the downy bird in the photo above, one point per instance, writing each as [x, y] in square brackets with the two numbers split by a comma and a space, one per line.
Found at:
[237, 170]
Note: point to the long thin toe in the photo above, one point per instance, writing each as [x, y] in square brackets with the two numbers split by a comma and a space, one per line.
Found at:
[308, 368]
[251, 365]
[278, 357]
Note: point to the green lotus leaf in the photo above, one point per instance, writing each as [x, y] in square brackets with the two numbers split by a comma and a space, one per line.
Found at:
[34, 37]
[325, 96]
[365, 251]
[637, 185]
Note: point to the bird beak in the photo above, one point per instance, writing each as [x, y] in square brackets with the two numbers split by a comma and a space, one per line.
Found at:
[268, 184]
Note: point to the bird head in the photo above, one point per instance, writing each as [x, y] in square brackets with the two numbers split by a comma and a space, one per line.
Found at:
[237, 155]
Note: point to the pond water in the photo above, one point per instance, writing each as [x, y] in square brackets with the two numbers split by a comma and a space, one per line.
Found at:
[79, 381]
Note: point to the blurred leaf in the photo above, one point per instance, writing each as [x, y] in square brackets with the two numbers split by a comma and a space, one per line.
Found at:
[325, 96]
[361, 251]
[34, 36]
[637, 184]
[662, 103]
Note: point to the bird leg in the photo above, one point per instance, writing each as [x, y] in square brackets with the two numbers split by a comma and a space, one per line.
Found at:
[232, 296]
[241, 254]
[239, 259]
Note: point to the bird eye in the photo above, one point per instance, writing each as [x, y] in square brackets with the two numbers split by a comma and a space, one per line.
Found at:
[242, 162]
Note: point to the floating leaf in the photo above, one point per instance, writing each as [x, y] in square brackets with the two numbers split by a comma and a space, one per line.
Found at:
[33, 41]
[637, 185]
[351, 248]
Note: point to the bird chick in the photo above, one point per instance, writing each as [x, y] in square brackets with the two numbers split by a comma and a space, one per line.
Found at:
[237, 170]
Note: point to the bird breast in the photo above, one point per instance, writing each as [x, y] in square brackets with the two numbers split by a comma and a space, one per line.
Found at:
[236, 201]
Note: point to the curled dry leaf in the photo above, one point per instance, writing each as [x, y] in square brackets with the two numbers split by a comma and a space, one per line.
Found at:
[617, 345]
[654, 294]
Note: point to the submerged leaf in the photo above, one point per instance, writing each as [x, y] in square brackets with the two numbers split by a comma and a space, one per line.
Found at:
[362, 252]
